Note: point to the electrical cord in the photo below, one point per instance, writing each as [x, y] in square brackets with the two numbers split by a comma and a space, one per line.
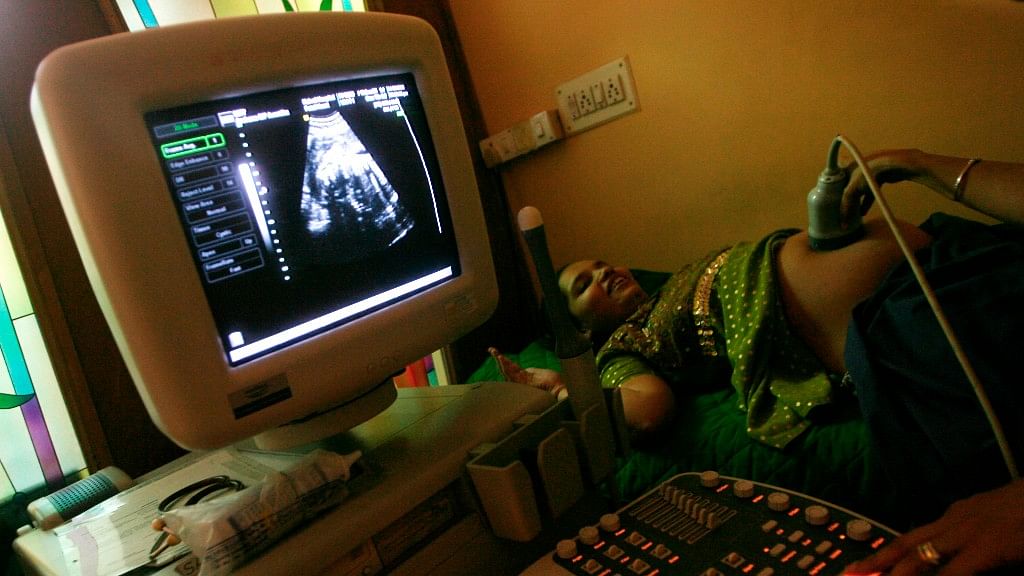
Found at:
[933, 302]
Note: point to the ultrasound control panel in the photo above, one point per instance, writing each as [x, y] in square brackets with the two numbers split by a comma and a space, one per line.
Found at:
[705, 524]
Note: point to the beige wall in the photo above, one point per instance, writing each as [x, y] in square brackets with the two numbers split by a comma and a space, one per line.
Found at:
[739, 102]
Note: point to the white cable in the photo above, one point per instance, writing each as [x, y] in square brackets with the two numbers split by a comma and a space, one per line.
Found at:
[929, 295]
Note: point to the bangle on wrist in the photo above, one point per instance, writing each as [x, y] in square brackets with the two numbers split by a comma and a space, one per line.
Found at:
[958, 185]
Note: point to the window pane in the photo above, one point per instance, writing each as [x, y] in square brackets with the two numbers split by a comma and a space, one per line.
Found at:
[140, 14]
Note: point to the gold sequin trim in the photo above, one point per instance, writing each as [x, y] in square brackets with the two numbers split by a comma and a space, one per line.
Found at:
[702, 306]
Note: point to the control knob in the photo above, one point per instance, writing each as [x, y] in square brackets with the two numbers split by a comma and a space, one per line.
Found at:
[816, 515]
[709, 478]
[778, 501]
[610, 522]
[589, 536]
[565, 549]
[859, 530]
[743, 488]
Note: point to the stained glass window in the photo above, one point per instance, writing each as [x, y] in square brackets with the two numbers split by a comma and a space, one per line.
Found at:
[39, 447]
[140, 14]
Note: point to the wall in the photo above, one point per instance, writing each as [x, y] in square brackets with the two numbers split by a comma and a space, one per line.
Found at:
[739, 102]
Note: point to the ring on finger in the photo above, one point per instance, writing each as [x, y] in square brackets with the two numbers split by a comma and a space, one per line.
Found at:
[926, 551]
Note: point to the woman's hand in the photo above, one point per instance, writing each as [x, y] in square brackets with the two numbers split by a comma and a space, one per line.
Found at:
[542, 378]
[983, 532]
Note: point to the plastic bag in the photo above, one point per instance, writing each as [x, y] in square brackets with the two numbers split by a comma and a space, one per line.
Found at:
[229, 531]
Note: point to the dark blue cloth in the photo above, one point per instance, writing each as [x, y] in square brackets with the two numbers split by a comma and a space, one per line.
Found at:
[927, 424]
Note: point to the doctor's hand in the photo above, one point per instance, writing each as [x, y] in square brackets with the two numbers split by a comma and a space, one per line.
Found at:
[542, 378]
[887, 167]
[983, 532]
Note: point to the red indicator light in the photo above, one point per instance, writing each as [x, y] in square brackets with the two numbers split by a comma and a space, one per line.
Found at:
[624, 559]
[833, 526]
[648, 545]
[577, 559]
[835, 554]
[789, 556]
[673, 559]
[806, 542]
[758, 498]
[878, 543]
[655, 572]
[748, 568]
[599, 545]
[793, 512]
[606, 572]
[620, 532]
[818, 568]
[722, 488]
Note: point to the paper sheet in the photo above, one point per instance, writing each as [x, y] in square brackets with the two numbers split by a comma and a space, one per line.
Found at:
[115, 536]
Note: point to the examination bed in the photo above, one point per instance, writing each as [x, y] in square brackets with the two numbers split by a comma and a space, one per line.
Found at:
[831, 461]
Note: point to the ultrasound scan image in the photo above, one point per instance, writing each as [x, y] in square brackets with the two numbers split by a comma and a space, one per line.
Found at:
[346, 198]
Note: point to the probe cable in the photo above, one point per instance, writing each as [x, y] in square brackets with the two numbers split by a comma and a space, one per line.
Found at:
[929, 294]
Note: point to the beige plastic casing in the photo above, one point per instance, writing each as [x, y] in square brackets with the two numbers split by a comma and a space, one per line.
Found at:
[88, 103]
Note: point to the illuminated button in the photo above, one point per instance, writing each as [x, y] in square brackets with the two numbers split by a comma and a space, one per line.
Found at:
[859, 530]
[661, 552]
[614, 552]
[778, 501]
[805, 562]
[796, 536]
[610, 522]
[823, 546]
[565, 549]
[639, 566]
[709, 478]
[591, 566]
[769, 525]
[816, 515]
[777, 550]
[743, 488]
[733, 559]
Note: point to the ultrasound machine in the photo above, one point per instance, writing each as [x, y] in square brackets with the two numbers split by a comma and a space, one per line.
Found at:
[279, 213]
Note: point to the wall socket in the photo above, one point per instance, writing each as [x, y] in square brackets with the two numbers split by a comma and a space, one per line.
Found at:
[596, 97]
[523, 137]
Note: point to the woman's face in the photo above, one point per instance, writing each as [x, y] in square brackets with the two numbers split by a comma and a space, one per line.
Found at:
[600, 296]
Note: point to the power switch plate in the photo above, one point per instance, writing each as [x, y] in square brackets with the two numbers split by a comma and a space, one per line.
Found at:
[599, 96]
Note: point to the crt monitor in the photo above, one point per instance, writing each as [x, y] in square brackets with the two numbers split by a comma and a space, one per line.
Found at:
[276, 213]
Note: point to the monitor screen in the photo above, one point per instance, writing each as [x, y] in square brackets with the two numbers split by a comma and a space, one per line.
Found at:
[306, 208]
[275, 220]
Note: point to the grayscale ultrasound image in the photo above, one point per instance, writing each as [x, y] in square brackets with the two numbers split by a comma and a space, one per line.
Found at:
[344, 192]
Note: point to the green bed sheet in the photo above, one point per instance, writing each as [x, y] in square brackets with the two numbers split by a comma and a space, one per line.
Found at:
[831, 461]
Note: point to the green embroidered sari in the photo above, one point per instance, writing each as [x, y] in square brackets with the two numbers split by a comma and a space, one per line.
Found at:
[721, 320]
